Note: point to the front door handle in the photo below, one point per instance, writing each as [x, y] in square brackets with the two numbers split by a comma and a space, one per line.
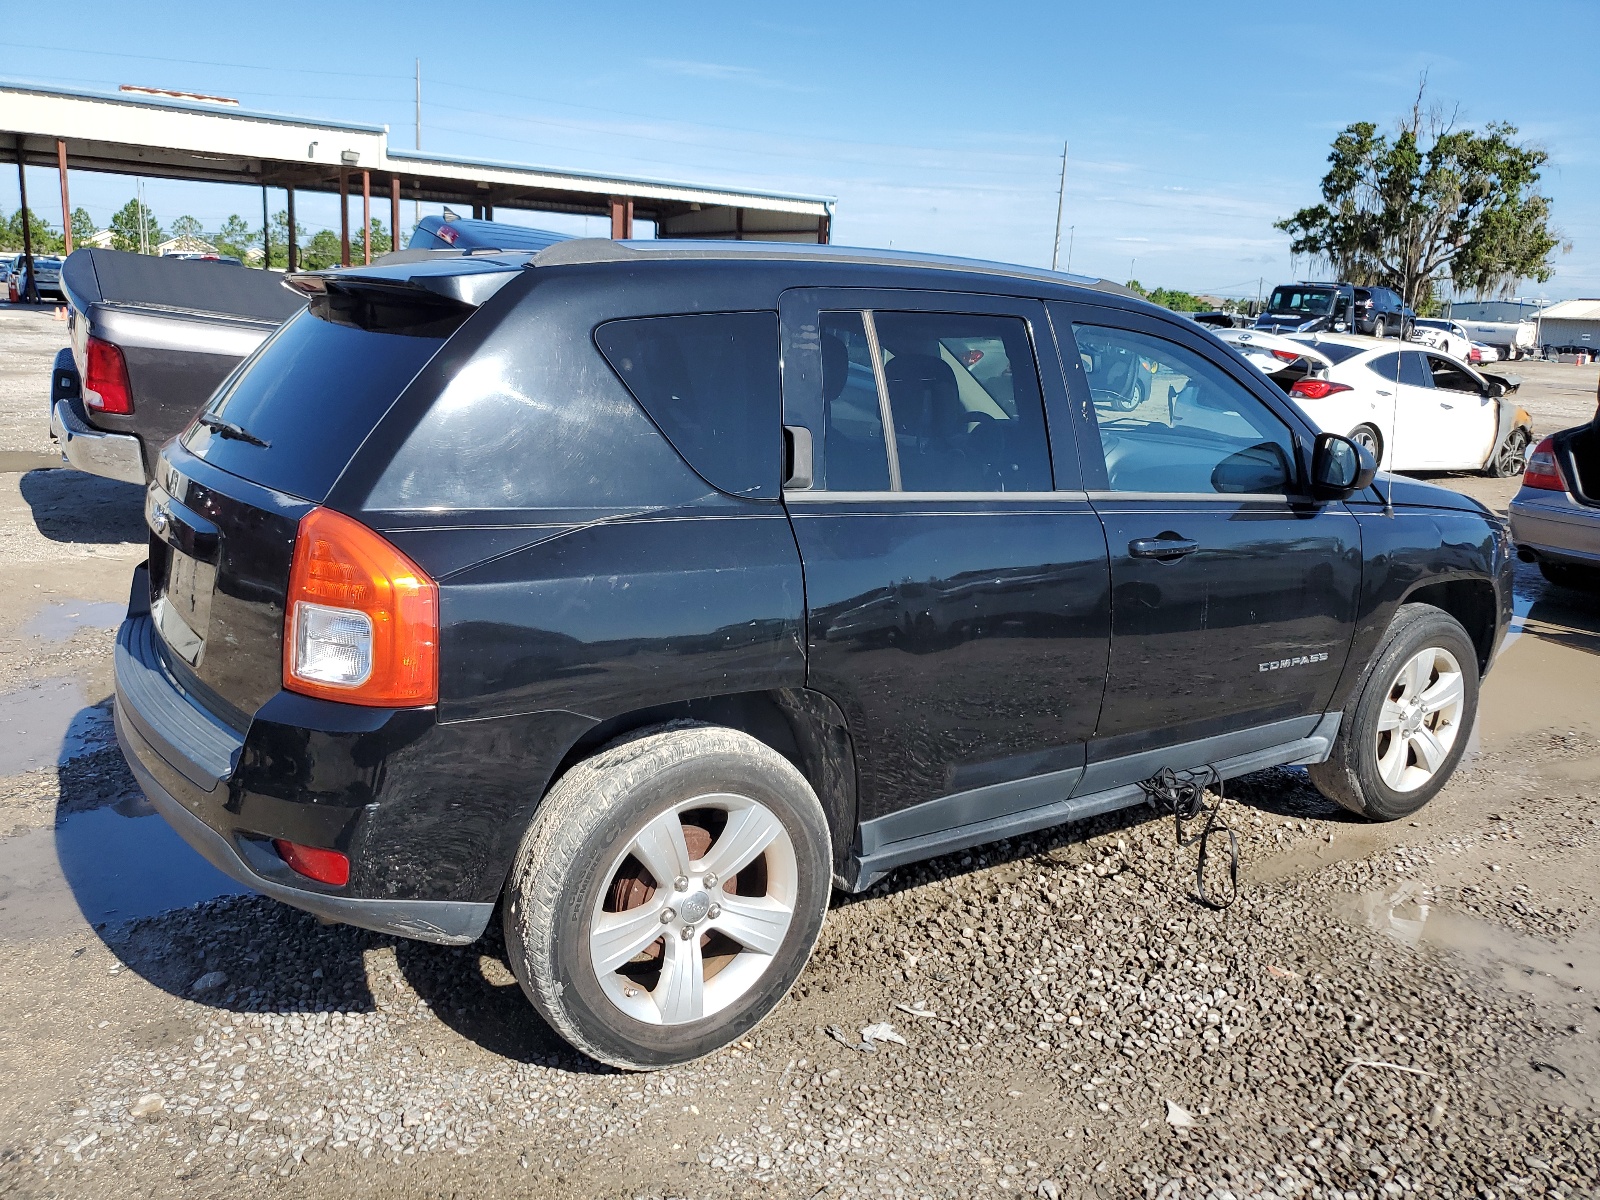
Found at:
[1165, 547]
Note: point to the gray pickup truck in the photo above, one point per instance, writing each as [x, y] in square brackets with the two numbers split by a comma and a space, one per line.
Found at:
[151, 340]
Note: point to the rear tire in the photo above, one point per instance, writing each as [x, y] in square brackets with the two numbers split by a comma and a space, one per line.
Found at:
[1405, 726]
[1571, 575]
[719, 847]
[1377, 327]
[1366, 435]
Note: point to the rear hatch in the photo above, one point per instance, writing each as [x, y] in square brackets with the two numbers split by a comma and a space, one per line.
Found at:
[229, 493]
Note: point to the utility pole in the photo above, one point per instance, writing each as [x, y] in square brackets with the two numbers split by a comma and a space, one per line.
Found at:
[144, 225]
[416, 205]
[266, 231]
[1061, 202]
[1072, 233]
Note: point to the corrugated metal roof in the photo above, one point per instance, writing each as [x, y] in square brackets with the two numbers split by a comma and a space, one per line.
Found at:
[1573, 310]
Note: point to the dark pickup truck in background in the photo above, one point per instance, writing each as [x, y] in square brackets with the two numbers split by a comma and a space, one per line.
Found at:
[151, 340]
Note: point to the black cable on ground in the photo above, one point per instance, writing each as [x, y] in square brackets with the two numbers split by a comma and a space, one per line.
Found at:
[1183, 794]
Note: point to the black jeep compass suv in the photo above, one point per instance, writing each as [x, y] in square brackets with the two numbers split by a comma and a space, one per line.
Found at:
[650, 591]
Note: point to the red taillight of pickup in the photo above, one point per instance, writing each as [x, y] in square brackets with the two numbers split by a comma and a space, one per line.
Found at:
[1543, 471]
[105, 382]
[1318, 389]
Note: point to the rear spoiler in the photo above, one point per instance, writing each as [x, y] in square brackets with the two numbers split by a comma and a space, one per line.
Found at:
[454, 278]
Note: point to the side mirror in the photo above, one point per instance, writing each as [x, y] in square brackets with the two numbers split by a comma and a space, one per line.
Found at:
[1496, 389]
[1339, 467]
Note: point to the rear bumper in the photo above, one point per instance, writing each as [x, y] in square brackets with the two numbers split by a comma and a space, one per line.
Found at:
[186, 761]
[1558, 529]
[114, 455]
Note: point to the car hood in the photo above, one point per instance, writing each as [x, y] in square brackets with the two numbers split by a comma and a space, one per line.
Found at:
[1269, 323]
[1414, 493]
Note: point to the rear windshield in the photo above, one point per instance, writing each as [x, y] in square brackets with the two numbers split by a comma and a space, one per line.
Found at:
[1336, 352]
[312, 392]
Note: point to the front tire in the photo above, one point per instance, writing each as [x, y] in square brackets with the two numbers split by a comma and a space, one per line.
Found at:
[667, 895]
[1511, 457]
[1405, 726]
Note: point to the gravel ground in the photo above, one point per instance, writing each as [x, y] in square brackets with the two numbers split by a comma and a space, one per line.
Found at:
[1385, 1010]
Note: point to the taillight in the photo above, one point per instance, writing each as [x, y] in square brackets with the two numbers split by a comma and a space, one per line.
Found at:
[105, 382]
[1318, 389]
[1285, 355]
[361, 620]
[325, 866]
[1543, 471]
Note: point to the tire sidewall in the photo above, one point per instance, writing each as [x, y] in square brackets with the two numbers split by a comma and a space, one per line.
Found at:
[1431, 627]
[562, 951]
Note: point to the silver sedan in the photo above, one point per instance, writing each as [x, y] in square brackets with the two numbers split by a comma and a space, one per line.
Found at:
[1555, 517]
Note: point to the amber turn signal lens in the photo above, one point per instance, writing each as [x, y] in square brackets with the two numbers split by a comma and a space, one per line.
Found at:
[325, 866]
[361, 620]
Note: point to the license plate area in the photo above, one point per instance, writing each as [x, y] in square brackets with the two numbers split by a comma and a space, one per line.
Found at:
[183, 575]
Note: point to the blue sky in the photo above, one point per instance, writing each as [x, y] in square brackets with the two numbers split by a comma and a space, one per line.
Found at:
[937, 126]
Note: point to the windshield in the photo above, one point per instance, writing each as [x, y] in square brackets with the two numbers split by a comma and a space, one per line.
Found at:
[1426, 323]
[1301, 302]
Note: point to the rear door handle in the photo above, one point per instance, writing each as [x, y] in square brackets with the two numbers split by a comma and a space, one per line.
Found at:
[1162, 547]
[1381, 392]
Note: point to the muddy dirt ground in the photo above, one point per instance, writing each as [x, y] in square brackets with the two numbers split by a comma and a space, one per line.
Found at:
[1387, 1010]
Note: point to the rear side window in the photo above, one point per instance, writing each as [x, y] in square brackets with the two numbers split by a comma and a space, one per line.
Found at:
[711, 383]
[312, 393]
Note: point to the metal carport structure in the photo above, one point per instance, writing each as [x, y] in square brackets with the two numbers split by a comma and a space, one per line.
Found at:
[206, 141]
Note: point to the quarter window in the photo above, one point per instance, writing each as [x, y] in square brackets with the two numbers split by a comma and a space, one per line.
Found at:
[1171, 422]
[711, 383]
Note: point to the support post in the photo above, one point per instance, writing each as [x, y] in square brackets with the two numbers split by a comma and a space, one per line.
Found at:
[738, 224]
[488, 212]
[66, 201]
[294, 241]
[31, 292]
[824, 229]
[366, 217]
[266, 231]
[394, 213]
[344, 217]
[621, 218]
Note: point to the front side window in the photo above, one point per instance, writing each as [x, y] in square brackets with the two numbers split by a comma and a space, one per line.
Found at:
[1450, 377]
[1172, 422]
[959, 390]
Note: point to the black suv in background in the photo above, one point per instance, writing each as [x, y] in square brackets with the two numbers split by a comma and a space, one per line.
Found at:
[1335, 308]
[1380, 312]
[652, 590]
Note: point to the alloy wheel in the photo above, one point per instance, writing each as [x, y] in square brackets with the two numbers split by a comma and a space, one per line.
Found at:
[1420, 719]
[694, 909]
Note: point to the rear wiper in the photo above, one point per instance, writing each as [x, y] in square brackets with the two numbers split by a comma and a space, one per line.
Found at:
[223, 427]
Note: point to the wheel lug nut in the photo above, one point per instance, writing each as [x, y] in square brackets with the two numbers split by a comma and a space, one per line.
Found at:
[681, 883]
[710, 880]
[687, 933]
[714, 912]
[668, 916]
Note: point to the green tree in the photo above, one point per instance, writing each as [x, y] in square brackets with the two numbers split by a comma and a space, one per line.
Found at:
[188, 227]
[280, 238]
[83, 227]
[134, 228]
[45, 239]
[381, 244]
[1428, 204]
[236, 237]
[321, 252]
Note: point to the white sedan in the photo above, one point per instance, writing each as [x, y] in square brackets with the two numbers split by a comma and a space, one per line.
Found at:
[1415, 408]
[1447, 336]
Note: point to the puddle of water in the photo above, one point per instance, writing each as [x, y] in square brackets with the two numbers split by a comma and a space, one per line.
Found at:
[1554, 971]
[60, 619]
[49, 722]
[107, 864]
